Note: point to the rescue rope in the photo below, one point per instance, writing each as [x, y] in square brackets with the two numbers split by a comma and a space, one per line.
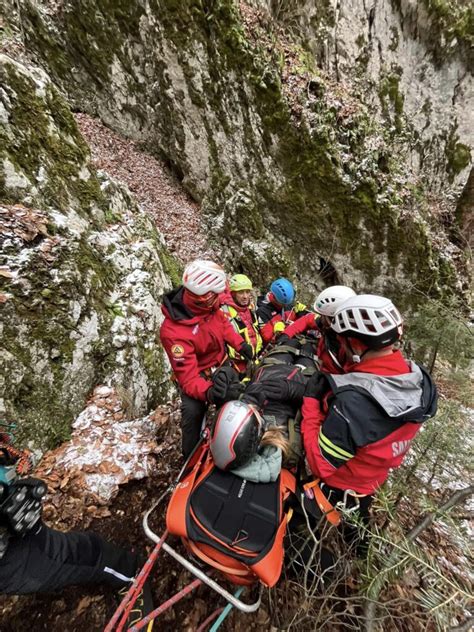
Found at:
[226, 611]
[20, 458]
[210, 618]
[167, 604]
[130, 598]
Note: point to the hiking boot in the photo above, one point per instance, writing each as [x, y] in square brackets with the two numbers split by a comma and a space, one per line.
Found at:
[141, 608]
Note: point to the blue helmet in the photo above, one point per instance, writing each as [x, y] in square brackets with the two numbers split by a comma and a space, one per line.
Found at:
[283, 291]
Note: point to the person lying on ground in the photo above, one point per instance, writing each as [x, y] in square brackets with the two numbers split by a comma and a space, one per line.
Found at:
[258, 435]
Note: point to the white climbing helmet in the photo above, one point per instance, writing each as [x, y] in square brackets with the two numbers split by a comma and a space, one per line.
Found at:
[330, 299]
[236, 435]
[372, 319]
[201, 276]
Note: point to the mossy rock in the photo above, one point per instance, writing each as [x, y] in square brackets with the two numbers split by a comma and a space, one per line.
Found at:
[80, 298]
[198, 91]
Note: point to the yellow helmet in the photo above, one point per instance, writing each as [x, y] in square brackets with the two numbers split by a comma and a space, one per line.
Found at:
[240, 282]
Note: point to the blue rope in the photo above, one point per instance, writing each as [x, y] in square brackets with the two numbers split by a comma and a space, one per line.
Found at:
[226, 611]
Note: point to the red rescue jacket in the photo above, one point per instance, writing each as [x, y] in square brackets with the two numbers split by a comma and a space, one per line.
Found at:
[269, 314]
[194, 343]
[245, 323]
[328, 350]
[364, 425]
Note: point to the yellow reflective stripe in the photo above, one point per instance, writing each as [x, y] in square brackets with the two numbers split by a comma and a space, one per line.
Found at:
[331, 452]
[232, 311]
[242, 329]
[333, 449]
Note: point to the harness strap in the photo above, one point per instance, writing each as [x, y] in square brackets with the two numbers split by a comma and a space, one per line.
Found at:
[293, 350]
[285, 349]
[331, 513]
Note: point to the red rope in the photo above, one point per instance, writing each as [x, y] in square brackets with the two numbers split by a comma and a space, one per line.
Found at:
[210, 618]
[167, 604]
[23, 463]
[130, 598]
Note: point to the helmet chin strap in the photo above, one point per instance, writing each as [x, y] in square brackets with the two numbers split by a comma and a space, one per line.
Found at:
[356, 358]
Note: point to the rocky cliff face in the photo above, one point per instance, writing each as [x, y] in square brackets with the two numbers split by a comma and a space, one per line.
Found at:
[82, 268]
[299, 171]
[325, 140]
[412, 61]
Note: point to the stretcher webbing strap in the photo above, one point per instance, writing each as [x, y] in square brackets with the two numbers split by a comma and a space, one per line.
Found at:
[209, 560]
[331, 513]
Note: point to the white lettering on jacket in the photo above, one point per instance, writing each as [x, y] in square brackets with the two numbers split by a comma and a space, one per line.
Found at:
[241, 490]
[400, 447]
[195, 329]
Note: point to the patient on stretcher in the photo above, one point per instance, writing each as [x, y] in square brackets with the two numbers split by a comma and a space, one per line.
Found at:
[259, 434]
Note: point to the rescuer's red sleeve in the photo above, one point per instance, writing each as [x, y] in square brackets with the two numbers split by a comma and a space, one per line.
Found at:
[312, 420]
[182, 356]
[308, 321]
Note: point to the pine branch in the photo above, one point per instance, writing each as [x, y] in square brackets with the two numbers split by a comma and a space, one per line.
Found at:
[370, 609]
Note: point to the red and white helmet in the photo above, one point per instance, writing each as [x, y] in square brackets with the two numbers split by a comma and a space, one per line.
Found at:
[201, 276]
[236, 435]
[330, 299]
[372, 319]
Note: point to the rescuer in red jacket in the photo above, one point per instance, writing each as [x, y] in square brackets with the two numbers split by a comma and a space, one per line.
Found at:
[238, 307]
[194, 334]
[277, 309]
[358, 426]
[329, 352]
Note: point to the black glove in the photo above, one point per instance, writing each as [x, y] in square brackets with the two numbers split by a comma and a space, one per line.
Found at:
[235, 390]
[317, 386]
[246, 351]
[23, 505]
[282, 339]
[283, 390]
[277, 389]
[223, 379]
[254, 394]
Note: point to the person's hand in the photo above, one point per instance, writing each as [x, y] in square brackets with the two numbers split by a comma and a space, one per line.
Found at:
[221, 380]
[276, 389]
[254, 394]
[234, 391]
[217, 392]
[317, 386]
[246, 351]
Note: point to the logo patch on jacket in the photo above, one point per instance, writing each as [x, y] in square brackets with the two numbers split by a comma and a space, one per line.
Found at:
[177, 351]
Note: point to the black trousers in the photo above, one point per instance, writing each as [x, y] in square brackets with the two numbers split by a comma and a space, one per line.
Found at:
[351, 532]
[192, 414]
[50, 560]
[318, 563]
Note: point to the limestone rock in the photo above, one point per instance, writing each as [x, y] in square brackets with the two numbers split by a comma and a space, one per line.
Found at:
[81, 269]
[334, 172]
